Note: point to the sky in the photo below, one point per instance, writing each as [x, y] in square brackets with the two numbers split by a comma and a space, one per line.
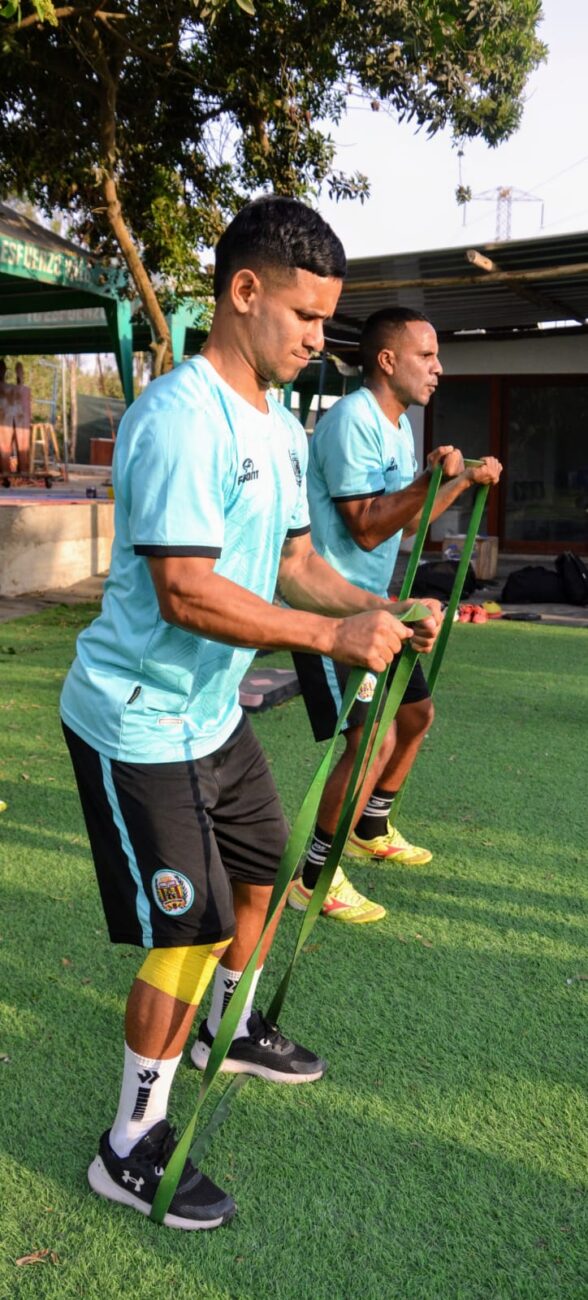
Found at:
[413, 178]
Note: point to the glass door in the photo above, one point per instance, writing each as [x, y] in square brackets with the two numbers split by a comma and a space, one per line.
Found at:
[545, 494]
[461, 417]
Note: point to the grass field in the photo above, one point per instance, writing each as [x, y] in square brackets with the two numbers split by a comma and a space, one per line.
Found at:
[444, 1155]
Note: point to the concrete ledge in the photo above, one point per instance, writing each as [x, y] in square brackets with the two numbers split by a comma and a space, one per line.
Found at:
[49, 544]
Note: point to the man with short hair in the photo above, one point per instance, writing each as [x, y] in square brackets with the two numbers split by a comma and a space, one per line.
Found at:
[184, 822]
[363, 495]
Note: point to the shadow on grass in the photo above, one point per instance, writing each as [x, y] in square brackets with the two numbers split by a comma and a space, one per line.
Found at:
[440, 1015]
[331, 1206]
[499, 908]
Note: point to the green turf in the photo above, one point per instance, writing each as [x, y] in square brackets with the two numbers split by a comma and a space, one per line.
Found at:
[444, 1155]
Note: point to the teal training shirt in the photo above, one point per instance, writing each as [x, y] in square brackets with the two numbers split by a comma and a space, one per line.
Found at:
[198, 471]
[357, 452]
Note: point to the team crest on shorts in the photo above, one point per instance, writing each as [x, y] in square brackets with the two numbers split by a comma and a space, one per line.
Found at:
[366, 689]
[172, 892]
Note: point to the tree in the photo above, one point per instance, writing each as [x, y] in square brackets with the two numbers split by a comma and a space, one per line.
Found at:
[150, 122]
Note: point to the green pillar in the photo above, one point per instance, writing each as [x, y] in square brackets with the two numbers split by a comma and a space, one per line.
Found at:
[118, 316]
[178, 321]
[305, 398]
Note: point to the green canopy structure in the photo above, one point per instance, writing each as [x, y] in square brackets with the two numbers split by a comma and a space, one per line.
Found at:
[57, 298]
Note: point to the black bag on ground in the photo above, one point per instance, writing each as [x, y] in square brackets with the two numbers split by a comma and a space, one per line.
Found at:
[574, 577]
[437, 578]
[534, 584]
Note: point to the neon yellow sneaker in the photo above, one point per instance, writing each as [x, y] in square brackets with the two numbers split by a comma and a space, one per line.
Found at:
[391, 847]
[343, 902]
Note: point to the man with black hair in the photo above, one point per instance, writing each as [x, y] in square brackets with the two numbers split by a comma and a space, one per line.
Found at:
[183, 818]
[363, 495]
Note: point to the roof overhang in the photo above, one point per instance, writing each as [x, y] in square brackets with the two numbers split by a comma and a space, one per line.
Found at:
[41, 271]
[494, 288]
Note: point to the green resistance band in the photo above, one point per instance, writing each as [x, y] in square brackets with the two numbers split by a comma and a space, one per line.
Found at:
[311, 915]
[285, 874]
[454, 599]
[460, 577]
[298, 837]
[421, 533]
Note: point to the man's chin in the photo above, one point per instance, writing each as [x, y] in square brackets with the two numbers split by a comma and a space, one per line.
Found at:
[286, 374]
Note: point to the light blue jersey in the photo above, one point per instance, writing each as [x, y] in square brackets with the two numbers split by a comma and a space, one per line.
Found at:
[357, 452]
[198, 471]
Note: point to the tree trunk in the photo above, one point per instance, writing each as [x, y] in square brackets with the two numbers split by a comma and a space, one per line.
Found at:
[107, 75]
[161, 346]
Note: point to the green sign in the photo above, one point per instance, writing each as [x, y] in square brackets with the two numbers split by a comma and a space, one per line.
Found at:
[54, 266]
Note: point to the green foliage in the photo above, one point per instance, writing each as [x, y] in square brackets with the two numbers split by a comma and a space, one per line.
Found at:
[42, 374]
[463, 195]
[102, 381]
[193, 108]
[44, 10]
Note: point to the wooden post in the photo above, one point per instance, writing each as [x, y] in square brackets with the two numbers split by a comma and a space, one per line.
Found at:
[73, 407]
[537, 298]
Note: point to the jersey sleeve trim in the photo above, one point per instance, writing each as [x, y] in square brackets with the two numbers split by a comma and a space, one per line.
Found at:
[359, 496]
[204, 552]
[298, 532]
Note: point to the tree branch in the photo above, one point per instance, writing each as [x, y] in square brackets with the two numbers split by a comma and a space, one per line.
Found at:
[65, 11]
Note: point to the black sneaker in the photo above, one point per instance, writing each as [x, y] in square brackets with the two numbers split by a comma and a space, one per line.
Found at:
[134, 1179]
[263, 1051]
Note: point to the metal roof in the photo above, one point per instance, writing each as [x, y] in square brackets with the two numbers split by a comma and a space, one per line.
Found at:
[534, 280]
[15, 225]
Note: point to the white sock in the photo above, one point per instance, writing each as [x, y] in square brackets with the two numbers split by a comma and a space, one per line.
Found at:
[143, 1100]
[225, 983]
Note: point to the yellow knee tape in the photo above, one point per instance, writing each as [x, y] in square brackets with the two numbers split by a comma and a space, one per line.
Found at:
[184, 973]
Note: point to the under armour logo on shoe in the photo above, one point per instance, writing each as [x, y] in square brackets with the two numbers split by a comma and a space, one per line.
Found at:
[148, 1077]
[138, 1183]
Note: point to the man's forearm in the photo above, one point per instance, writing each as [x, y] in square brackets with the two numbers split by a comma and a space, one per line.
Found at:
[193, 597]
[312, 584]
[223, 611]
[448, 492]
[380, 517]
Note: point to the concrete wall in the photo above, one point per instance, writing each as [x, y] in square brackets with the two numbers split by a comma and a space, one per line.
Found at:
[544, 356]
[53, 545]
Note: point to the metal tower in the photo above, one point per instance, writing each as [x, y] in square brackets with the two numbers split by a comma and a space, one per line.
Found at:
[505, 196]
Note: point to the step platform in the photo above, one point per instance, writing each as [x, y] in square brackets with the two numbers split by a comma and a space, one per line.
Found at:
[262, 688]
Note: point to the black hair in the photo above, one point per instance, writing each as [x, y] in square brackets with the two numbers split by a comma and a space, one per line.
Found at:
[273, 231]
[380, 329]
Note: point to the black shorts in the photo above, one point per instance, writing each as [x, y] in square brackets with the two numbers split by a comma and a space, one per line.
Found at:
[323, 682]
[168, 839]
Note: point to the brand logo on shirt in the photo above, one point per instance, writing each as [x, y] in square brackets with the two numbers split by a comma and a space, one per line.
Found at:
[249, 472]
[172, 892]
[392, 466]
[295, 463]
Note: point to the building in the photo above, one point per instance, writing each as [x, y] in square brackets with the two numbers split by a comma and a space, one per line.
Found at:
[512, 323]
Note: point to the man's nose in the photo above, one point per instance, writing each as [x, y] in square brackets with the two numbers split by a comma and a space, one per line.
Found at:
[314, 336]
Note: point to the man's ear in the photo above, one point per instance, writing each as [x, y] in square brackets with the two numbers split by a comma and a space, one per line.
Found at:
[244, 288]
[387, 360]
